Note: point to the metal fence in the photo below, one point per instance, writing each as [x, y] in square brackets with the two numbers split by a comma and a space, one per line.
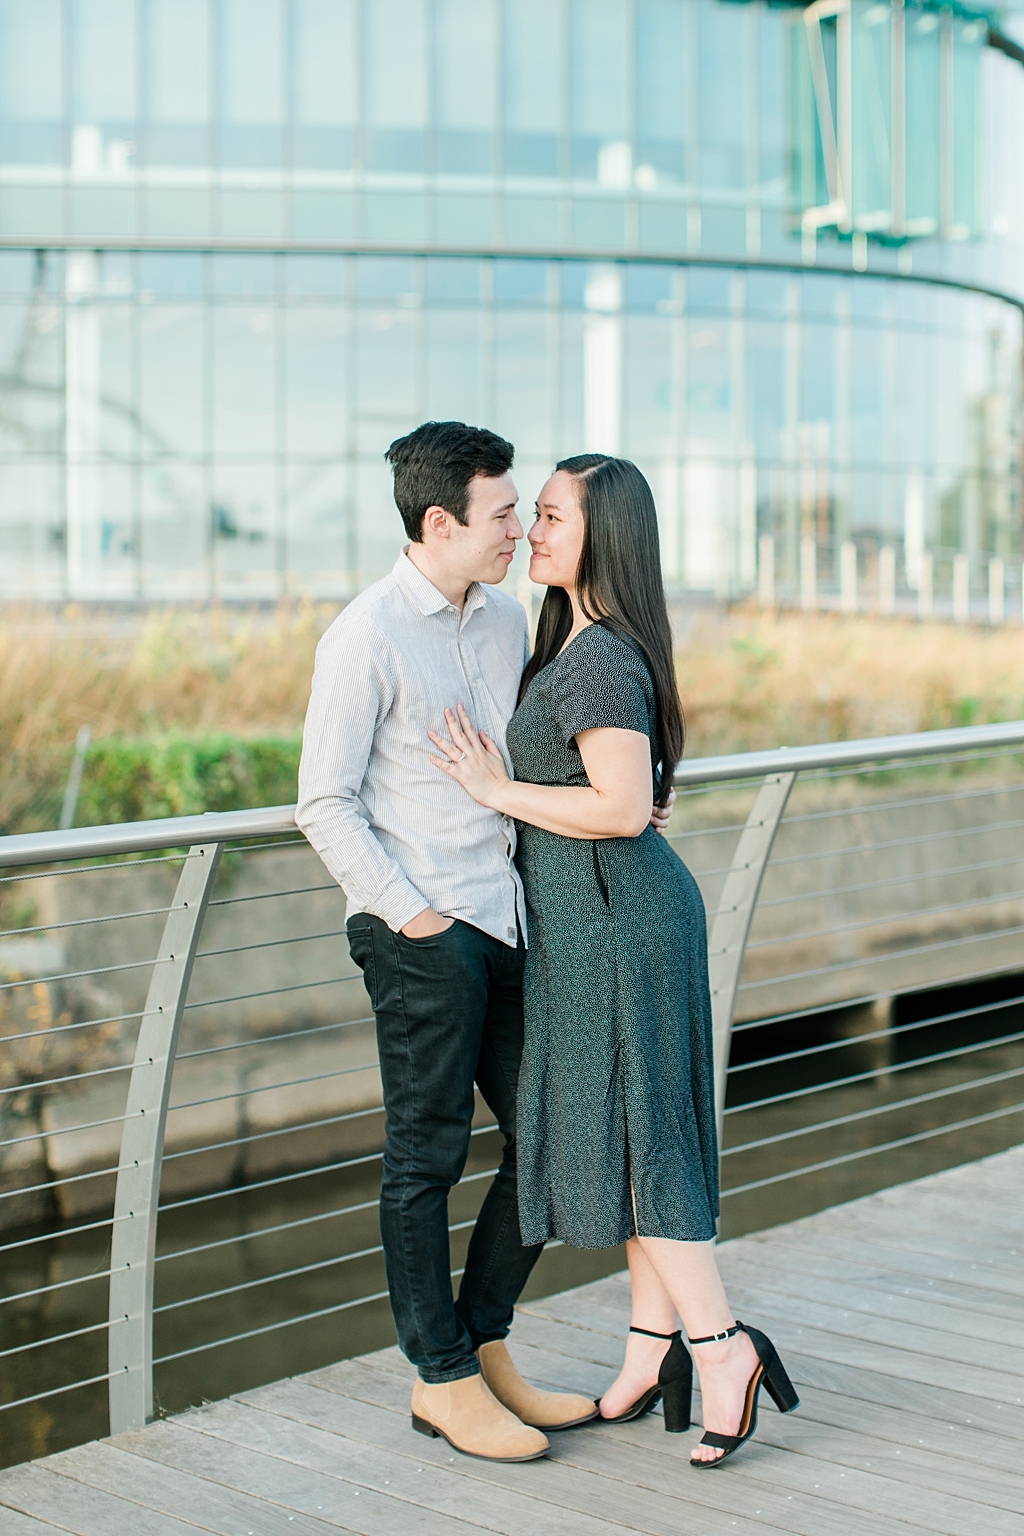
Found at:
[186, 1039]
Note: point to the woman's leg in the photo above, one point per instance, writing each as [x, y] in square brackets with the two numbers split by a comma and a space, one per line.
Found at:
[653, 1309]
[687, 1275]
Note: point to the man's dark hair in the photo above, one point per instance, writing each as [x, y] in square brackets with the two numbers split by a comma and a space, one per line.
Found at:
[434, 465]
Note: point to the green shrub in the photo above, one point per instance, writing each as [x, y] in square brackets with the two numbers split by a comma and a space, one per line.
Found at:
[178, 776]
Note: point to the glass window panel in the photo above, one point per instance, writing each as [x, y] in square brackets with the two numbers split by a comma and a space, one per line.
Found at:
[924, 136]
[322, 276]
[871, 148]
[385, 371]
[251, 82]
[102, 64]
[30, 82]
[867, 394]
[662, 79]
[116, 345]
[773, 106]
[520, 282]
[534, 71]
[244, 530]
[243, 274]
[395, 82]
[316, 379]
[379, 531]
[649, 288]
[454, 365]
[172, 379]
[175, 530]
[523, 404]
[709, 393]
[601, 56]
[725, 40]
[708, 289]
[319, 536]
[325, 84]
[451, 279]
[177, 51]
[649, 388]
[968, 48]
[464, 219]
[101, 530]
[32, 531]
[466, 76]
[386, 277]
[162, 274]
[32, 365]
[244, 419]
[765, 382]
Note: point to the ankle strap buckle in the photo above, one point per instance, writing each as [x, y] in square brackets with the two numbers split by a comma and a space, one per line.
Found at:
[717, 1338]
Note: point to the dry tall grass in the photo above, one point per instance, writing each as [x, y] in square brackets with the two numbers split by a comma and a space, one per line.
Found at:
[748, 680]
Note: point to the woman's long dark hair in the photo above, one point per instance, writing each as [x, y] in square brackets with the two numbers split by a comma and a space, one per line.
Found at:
[618, 584]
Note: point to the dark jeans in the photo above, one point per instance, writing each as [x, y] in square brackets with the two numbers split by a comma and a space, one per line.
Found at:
[449, 1011]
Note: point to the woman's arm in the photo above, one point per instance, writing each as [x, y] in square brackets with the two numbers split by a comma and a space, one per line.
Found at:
[618, 765]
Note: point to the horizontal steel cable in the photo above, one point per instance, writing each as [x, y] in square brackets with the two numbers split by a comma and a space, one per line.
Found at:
[886, 1146]
[96, 970]
[887, 1071]
[71, 1077]
[48, 1237]
[913, 989]
[49, 1184]
[875, 885]
[239, 949]
[871, 807]
[887, 918]
[84, 869]
[72, 1386]
[290, 1274]
[85, 922]
[60, 1285]
[732, 826]
[299, 890]
[63, 1029]
[898, 842]
[68, 1130]
[889, 1032]
[295, 1082]
[894, 954]
[302, 1221]
[253, 1333]
[56, 1338]
[298, 986]
[877, 1109]
[288, 1034]
[280, 1130]
[298, 1173]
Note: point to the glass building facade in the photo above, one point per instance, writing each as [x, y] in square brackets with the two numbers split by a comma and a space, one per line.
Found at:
[246, 243]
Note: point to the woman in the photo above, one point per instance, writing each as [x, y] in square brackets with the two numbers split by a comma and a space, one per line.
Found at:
[616, 1107]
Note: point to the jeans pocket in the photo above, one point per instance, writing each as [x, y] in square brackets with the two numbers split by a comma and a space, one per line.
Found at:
[360, 944]
[429, 939]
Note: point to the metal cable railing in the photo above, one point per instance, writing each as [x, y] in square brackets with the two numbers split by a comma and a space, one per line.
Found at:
[194, 1129]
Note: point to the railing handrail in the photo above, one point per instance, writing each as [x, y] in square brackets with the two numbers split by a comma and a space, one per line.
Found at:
[275, 820]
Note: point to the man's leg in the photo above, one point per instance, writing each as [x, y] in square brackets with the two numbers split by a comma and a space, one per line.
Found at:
[497, 1264]
[430, 1000]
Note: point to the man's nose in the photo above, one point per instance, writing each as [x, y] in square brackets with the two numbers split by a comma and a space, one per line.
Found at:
[515, 527]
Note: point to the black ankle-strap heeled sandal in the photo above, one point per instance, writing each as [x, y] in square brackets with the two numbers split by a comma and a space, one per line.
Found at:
[674, 1386]
[770, 1372]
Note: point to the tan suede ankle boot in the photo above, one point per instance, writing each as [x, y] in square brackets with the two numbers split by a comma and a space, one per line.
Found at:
[544, 1410]
[468, 1415]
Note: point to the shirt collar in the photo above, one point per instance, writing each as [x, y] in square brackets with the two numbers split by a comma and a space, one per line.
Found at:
[426, 596]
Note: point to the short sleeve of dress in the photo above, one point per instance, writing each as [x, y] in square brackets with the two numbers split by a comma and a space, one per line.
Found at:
[601, 682]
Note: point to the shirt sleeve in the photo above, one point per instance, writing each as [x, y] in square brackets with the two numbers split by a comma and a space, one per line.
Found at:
[351, 694]
[600, 682]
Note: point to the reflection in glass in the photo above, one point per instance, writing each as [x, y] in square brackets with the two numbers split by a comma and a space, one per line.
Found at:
[533, 65]
[250, 89]
[30, 82]
[599, 62]
[466, 77]
[325, 54]
[395, 84]
[177, 75]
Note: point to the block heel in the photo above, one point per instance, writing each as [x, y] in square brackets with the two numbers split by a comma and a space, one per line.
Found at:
[674, 1386]
[770, 1373]
[422, 1427]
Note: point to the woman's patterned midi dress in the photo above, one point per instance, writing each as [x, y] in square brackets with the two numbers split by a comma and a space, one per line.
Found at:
[616, 1120]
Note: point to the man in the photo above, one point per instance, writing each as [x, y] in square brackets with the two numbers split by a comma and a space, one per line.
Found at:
[436, 918]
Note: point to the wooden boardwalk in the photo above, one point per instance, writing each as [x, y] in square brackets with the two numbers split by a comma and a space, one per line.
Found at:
[900, 1318]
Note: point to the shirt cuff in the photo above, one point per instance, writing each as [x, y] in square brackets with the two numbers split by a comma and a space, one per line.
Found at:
[397, 905]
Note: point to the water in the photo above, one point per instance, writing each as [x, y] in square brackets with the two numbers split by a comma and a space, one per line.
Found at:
[240, 1298]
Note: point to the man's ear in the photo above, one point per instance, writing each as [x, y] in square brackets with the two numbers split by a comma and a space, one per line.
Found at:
[436, 521]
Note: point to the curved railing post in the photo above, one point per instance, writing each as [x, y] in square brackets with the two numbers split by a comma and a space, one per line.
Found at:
[133, 1244]
[731, 925]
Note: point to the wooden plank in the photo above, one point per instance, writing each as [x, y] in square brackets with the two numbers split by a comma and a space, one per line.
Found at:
[605, 1491]
[969, 1302]
[877, 1299]
[901, 1260]
[181, 1492]
[864, 1441]
[329, 1475]
[914, 1352]
[854, 1495]
[14, 1523]
[35, 1490]
[918, 1237]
